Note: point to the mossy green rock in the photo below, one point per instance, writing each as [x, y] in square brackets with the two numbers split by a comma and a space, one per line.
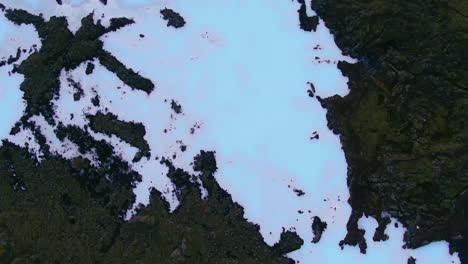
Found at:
[403, 124]
[72, 212]
[131, 132]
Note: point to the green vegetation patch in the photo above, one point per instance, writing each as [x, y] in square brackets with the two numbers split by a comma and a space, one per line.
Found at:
[130, 132]
[63, 50]
[403, 124]
[68, 211]
[173, 18]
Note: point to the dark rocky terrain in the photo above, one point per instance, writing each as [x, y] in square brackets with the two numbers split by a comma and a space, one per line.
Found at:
[173, 18]
[130, 132]
[61, 49]
[318, 227]
[403, 125]
[61, 211]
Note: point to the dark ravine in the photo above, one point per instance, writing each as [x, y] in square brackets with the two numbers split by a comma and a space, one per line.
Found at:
[403, 124]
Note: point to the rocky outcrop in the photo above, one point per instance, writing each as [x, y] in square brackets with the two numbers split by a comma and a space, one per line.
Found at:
[131, 132]
[403, 124]
[173, 18]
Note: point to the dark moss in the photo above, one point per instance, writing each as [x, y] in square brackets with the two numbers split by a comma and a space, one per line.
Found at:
[130, 132]
[74, 213]
[89, 68]
[96, 101]
[12, 59]
[402, 124]
[311, 91]
[318, 226]
[355, 235]
[128, 76]
[79, 92]
[16, 128]
[39, 138]
[119, 22]
[289, 242]
[299, 192]
[173, 18]
[61, 49]
[205, 162]
[176, 107]
[115, 170]
[305, 22]
[315, 135]
[69, 218]
[379, 234]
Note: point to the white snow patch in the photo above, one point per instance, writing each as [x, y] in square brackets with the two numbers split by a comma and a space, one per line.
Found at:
[12, 37]
[24, 138]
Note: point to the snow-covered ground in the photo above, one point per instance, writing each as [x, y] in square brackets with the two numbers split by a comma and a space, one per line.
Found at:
[13, 37]
[240, 69]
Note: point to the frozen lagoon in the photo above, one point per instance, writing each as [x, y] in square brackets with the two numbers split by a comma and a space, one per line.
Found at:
[241, 71]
